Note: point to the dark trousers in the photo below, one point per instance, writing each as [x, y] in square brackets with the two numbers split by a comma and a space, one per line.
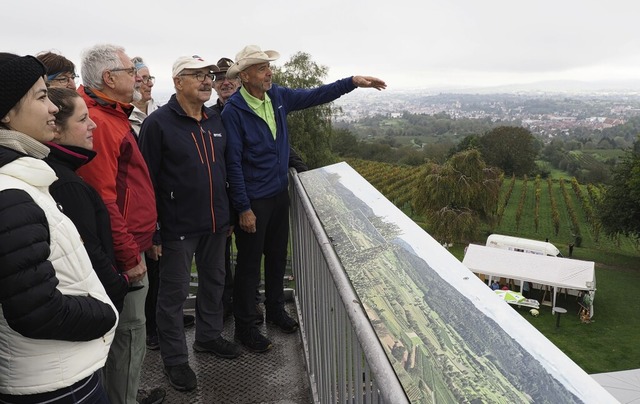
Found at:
[175, 276]
[270, 239]
[228, 277]
[153, 273]
[87, 391]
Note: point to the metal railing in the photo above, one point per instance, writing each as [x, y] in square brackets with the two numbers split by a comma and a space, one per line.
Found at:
[345, 360]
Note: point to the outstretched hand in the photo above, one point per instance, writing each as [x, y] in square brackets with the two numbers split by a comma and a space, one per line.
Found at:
[368, 81]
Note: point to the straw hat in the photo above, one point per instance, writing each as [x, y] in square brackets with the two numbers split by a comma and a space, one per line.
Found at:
[249, 56]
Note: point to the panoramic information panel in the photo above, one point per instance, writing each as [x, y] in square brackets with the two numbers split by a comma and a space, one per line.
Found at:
[447, 335]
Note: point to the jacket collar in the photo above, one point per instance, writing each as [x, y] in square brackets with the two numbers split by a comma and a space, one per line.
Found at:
[72, 157]
[177, 108]
[101, 99]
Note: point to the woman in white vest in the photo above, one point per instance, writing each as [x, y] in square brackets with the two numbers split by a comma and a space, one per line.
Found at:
[56, 322]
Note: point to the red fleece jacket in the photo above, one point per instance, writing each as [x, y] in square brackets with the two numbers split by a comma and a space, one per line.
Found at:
[120, 175]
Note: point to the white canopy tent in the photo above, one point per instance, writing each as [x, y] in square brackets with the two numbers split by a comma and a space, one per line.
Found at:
[557, 272]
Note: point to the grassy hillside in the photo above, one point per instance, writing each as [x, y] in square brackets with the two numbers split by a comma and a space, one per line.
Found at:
[398, 182]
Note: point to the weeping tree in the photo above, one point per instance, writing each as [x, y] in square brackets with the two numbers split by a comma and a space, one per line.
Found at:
[310, 130]
[457, 196]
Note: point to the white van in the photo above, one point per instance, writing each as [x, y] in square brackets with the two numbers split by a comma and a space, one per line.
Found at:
[522, 245]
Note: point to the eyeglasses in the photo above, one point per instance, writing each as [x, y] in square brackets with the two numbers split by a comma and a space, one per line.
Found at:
[201, 76]
[65, 79]
[131, 71]
[148, 79]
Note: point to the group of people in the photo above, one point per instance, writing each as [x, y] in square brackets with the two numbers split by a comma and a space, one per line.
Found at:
[102, 190]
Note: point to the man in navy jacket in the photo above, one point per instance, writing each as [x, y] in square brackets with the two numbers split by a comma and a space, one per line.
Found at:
[257, 165]
[184, 144]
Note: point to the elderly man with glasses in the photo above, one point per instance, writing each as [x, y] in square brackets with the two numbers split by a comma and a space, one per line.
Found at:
[143, 102]
[184, 144]
[120, 175]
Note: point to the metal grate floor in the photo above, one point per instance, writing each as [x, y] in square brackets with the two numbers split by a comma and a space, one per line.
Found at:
[278, 376]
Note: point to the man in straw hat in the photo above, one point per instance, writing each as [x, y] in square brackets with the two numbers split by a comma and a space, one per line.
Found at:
[184, 144]
[225, 87]
[257, 164]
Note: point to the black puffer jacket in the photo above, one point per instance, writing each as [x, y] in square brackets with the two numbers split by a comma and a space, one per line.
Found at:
[31, 303]
[84, 206]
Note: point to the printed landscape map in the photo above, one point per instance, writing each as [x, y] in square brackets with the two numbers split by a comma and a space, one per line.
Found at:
[448, 337]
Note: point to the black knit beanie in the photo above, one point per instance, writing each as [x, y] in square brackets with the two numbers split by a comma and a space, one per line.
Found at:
[17, 76]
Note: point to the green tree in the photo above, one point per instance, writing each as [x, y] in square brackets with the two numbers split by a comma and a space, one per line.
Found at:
[554, 152]
[344, 143]
[469, 142]
[510, 148]
[457, 195]
[310, 130]
[619, 209]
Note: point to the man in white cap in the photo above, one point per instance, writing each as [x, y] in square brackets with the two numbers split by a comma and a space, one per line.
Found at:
[184, 143]
[255, 118]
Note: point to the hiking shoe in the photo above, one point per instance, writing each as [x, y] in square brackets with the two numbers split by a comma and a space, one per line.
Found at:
[253, 340]
[219, 347]
[181, 377]
[259, 315]
[188, 320]
[285, 323]
[155, 396]
[152, 342]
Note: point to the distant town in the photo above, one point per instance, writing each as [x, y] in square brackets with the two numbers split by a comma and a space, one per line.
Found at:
[546, 114]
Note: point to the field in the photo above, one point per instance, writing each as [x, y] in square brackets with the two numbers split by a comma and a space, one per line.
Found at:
[561, 210]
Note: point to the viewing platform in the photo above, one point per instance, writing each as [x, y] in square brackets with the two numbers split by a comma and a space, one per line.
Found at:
[278, 376]
[387, 315]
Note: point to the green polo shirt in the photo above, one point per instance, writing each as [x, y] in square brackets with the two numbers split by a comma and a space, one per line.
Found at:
[264, 109]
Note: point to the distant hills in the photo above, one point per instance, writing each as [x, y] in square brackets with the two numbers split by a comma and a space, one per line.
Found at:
[565, 86]
[631, 87]
[551, 87]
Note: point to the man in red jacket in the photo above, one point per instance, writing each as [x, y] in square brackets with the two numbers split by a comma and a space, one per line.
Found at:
[120, 175]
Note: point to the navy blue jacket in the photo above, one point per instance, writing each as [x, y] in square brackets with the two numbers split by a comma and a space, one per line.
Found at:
[186, 160]
[257, 164]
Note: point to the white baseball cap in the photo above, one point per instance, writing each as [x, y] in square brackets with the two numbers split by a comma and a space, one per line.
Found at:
[191, 62]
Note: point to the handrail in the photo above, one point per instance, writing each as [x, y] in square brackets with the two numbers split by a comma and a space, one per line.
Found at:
[380, 383]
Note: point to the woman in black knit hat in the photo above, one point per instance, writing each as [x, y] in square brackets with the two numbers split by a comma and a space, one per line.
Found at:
[56, 322]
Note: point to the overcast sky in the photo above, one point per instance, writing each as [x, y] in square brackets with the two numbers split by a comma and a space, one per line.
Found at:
[409, 44]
